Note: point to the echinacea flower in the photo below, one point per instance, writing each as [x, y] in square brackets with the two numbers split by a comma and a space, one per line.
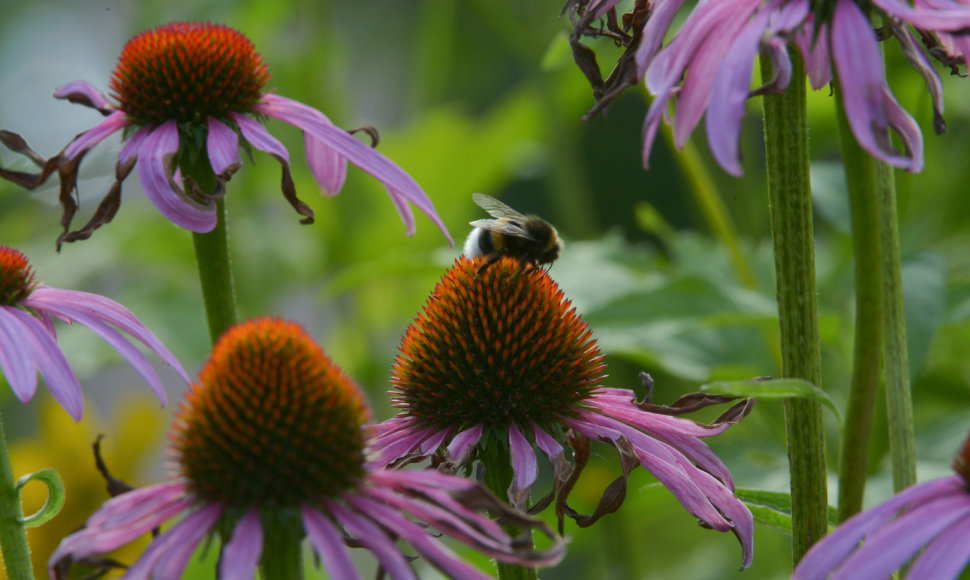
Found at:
[185, 94]
[498, 360]
[28, 342]
[270, 443]
[707, 65]
[924, 530]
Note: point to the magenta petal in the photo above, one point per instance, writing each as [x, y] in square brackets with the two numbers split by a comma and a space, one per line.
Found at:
[815, 53]
[401, 185]
[167, 555]
[257, 136]
[328, 167]
[947, 556]
[55, 369]
[155, 172]
[954, 19]
[16, 359]
[461, 443]
[653, 33]
[132, 146]
[222, 145]
[241, 554]
[523, 458]
[546, 443]
[372, 537]
[109, 125]
[84, 93]
[329, 544]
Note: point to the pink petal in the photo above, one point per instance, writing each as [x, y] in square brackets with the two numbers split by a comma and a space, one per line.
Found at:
[83, 93]
[167, 555]
[133, 145]
[155, 171]
[546, 443]
[241, 554]
[399, 184]
[108, 126]
[947, 556]
[16, 359]
[329, 544]
[372, 537]
[954, 19]
[328, 167]
[222, 145]
[55, 369]
[815, 53]
[460, 445]
[523, 458]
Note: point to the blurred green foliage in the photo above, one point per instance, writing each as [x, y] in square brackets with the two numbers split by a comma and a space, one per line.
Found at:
[481, 96]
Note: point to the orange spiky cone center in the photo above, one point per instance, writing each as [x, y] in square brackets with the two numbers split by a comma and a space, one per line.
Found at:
[271, 420]
[188, 72]
[16, 276]
[495, 347]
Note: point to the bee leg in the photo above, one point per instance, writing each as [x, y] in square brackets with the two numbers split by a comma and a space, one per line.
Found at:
[494, 257]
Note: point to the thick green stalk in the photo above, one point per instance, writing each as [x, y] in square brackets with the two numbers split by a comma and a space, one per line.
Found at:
[13, 536]
[212, 257]
[867, 179]
[786, 144]
[899, 400]
[498, 477]
[282, 554]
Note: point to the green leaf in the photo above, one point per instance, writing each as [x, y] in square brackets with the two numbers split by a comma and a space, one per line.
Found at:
[55, 496]
[773, 508]
[774, 389]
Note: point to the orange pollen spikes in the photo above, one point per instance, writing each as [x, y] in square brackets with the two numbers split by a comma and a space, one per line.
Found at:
[188, 71]
[16, 277]
[496, 346]
[271, 420]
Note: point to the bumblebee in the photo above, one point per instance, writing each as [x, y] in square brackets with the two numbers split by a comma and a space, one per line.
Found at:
[527, 238]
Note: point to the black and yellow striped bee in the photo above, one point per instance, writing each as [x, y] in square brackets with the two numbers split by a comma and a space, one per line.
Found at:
[526, 238]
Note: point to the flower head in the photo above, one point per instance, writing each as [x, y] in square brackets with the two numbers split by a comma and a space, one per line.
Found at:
[185, 93]
[499, 359]
[28, 342]
[270, 440]
[928, 523]
[714, 52]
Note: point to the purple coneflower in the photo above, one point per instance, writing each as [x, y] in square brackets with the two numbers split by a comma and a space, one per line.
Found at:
[499, 360]
[28, 342]
[707, 65]
[928, 523]
[186, 93]
[270, 443]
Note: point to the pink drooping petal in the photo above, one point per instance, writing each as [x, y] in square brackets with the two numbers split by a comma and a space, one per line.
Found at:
[132, 146]
[463, 441]
[55, 369]
[167, 555]
[947, 556]
[433, 442]
[828, 553]
[400, 185]
[54, 299]
[155, 171]
[955, 18]
[329, 544]
[654, 32]
[16, 358]
[892, 546]
[222, 145]
[815, 53]
[447, 561]
[83, 93]
[549, 446]
[108, 126]
[328, 167]
[400, 443]
[241, 554]
[122, 519]
[865, 95]
[523, 458]
[257, 136]
[375, 539]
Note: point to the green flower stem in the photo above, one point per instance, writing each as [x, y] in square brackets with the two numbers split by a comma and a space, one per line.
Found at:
[786, 144]
[13, 536]
[867, 179]
[282, 555]
[212, 257]
[498, 477]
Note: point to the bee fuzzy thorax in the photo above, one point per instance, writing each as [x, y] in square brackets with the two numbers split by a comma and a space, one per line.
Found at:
[526, 238]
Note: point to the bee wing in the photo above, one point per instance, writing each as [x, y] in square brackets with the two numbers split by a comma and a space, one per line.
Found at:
[504, 227]
[495, 208]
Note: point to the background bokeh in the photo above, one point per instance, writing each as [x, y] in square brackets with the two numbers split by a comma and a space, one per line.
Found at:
[474, 95]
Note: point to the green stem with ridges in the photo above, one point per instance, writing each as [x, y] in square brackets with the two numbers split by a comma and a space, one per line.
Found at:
[498, 477]
[866, 179]
[212, 257]
[786, 144]
[282, 554]
[13, 536]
